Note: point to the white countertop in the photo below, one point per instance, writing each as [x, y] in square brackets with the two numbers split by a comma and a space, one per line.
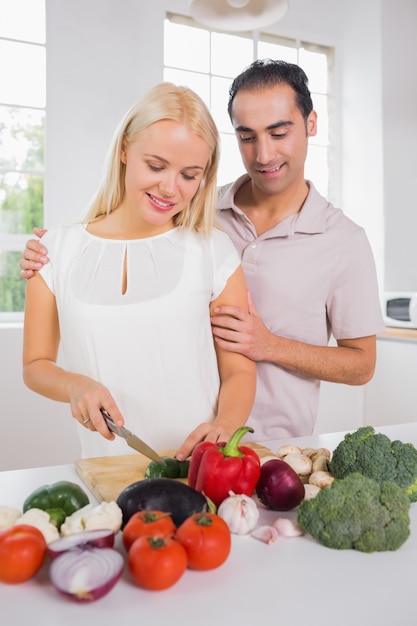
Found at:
[293, 579]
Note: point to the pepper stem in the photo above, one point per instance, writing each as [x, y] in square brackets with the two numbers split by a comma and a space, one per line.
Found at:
[232, 446]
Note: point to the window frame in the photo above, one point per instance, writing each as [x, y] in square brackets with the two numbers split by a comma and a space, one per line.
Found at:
[16, 242]
[257, 36]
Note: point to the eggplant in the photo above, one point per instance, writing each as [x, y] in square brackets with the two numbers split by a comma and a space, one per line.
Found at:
[161, 494]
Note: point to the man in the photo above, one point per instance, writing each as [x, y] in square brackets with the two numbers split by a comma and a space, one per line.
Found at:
[309, 269]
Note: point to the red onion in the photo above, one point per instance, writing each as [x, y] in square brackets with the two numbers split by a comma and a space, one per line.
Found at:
[85, 574]
[94, 538]
[279, 487]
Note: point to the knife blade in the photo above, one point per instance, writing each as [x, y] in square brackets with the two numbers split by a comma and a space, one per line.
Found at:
[132, 440]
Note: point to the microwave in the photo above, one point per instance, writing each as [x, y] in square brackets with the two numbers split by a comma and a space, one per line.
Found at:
[399, 309]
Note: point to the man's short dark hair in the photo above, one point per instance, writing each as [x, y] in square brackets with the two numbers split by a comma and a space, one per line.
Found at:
[265, 73]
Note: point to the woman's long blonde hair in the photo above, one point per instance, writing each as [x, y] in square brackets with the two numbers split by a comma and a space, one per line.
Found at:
[165, 101]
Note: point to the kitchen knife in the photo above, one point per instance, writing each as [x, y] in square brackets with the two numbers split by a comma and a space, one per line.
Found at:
[131, 439]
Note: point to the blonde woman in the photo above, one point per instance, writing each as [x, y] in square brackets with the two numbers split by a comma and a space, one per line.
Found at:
[128, 292]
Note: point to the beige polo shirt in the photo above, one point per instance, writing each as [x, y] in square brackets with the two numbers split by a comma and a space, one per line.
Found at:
[310, 276]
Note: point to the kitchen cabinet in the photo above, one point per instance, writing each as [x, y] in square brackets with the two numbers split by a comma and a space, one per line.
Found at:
[391, 396]
[341, 408]
[36, 431]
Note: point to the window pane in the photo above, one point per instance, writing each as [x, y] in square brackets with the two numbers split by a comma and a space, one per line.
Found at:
[21, 139]
[223, 63]
[197, 82]
[22, 126]
[316, 168]
[219, 99]
[267, 50]
[186, 47]
[231, 166]
[315, 66]
[230, 53]
[22, 77]
[21, 202]
[320, 105]
[12, 287]
[23, 19]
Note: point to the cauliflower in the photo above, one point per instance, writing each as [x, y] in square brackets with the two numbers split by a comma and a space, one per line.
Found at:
[8, 516]
[40, 519]
[106, 515]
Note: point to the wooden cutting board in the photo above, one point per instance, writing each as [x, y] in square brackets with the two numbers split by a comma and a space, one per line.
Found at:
[107, 476]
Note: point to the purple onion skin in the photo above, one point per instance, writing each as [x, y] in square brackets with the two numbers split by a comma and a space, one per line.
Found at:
[279, 487]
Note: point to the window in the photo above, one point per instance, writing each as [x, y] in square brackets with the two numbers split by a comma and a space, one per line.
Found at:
[22, 123]
[218, 57]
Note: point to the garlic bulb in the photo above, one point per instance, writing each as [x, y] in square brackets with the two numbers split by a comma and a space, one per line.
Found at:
[239, 512]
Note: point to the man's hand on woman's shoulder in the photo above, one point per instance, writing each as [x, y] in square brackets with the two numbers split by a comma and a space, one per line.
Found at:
[34, 255]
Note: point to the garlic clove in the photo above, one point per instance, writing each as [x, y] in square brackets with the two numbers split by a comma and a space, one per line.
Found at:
[267, 534]
[287, 527]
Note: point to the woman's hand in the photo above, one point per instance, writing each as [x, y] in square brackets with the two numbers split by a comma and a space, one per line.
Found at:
[34, 255]
[87, 397]
[204, 432]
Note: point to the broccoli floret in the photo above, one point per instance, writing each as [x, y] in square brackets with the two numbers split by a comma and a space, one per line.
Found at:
[376, 456]
[406, 468]
[359, 513]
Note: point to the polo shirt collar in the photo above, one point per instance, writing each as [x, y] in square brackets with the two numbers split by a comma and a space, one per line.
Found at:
[311, 219]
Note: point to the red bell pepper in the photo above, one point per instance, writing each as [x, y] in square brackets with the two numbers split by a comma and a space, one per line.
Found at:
[217, 469]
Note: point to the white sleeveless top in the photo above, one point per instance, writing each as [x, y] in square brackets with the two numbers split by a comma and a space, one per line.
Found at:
[151, 346]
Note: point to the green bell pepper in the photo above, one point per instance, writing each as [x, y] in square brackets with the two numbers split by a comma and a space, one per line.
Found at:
[60, 500]
[172, 468]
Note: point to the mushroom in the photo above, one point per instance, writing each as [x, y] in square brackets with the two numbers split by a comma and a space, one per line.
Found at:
[320, 463]
[321, 452]
[300, 463]
[321, 479]
[287, 449]
[310, 491]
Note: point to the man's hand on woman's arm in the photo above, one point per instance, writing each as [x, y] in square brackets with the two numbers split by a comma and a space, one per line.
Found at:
[34, 255]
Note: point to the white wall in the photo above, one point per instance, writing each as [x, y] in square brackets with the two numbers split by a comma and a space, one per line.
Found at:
[103, 54]
[400, 140]
[362, 124]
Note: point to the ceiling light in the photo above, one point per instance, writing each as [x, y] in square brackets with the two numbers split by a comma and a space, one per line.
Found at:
[238, 15]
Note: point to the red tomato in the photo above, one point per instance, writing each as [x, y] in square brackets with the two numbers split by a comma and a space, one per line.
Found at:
[22, 552]
[145, 524]
[207, 540]
[156, 563]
